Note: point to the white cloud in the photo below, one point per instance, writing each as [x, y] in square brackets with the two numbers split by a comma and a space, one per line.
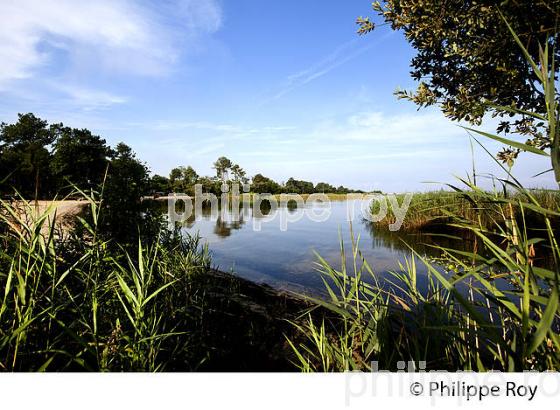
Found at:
[228, 131]
[338, 57]
[208, 149]
[376, 130]
[425, 127]
[200, 125]
[89, 99]
[113, 35]
[200, 15]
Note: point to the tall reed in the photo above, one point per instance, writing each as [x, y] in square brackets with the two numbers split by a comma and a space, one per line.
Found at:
[70, 301]
[497, 308]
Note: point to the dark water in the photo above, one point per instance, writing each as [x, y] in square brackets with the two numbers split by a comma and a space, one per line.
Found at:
[286, 259]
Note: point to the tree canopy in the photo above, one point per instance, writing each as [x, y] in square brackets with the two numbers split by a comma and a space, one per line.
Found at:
[265, 185]
[222, 167]
[25, 154]
[181, 179]
[80, 158]
[467, 60]
[127, 182]
[39, 160]
[299, 187]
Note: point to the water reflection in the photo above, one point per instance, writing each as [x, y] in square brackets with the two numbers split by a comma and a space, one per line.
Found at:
[253, 246]
[224, 227]
[422, 242]
[287, 259]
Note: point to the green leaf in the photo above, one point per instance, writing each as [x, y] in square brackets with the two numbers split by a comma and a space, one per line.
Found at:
[545, 323]
[509, 142]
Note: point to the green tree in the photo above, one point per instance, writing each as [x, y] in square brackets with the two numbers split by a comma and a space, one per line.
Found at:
[183, 179]
[175, 175]
[159, 183]
[190, 176]
[323, 187]
[222, 167]
[239, 174]
[127, 181]
[211, 185]
[25, 148]
[468, 62]
[80, 158]
[294, 186]
[264, 185]
[5, 172]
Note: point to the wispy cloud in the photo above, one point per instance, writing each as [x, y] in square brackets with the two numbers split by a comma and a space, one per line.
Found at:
[182, 125]
[425, 128]
[112, 36]
[88, 99]
[362, 141]
[208, 149]
[338, 57]
[228, 130]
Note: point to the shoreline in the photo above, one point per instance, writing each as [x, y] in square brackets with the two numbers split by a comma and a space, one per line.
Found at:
[248, 325]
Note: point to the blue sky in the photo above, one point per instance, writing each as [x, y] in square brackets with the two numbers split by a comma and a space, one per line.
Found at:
[284, 88]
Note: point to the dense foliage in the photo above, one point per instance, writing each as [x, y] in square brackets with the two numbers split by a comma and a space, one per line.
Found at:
[72, 300]
[468, 62]
[85, 298]
[183, 180]
[40, 161]
[78, 158]
[495, 306]
[25, 155]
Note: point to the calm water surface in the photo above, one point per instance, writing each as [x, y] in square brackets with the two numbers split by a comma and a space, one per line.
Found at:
[286, 259]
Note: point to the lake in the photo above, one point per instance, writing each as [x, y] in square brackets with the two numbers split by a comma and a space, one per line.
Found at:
[256, 248]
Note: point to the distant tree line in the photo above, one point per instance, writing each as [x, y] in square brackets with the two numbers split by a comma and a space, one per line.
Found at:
[183, 180]
[41, 161]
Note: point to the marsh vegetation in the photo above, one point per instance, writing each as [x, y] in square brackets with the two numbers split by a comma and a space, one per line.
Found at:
[114, 289]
